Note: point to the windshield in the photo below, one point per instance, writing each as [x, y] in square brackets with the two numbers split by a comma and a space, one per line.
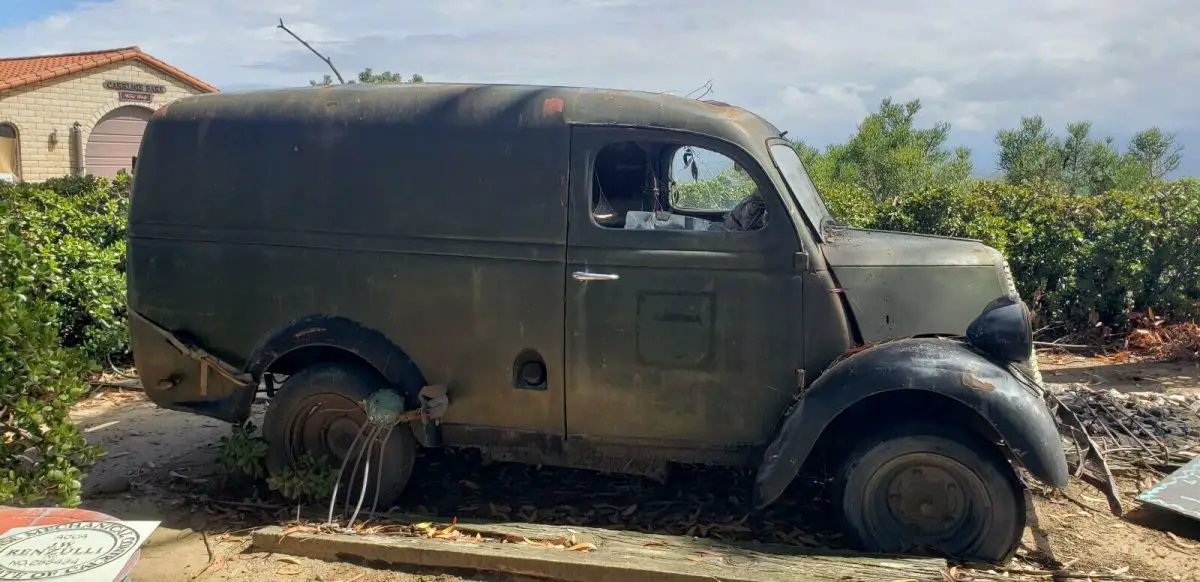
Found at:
[801, 186]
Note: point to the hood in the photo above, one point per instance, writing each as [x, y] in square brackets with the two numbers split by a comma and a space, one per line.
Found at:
[854, 247]
[900, 285]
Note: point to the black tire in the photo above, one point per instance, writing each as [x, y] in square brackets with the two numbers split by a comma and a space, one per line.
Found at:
[921, 488]
[316, 411]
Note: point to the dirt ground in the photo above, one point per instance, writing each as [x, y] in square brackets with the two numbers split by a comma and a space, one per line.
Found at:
[1121, 376]
[156, 457]
[147, 449]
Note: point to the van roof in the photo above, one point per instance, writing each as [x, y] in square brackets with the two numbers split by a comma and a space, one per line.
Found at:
[481, 104]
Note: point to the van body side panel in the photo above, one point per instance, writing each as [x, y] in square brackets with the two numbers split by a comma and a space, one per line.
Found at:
[449, 238]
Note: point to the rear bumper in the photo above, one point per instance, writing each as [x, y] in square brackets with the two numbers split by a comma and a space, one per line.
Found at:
[177, 376]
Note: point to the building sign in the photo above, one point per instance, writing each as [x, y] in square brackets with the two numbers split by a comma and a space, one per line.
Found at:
[134, 87]
[81, 550]
[133, 96]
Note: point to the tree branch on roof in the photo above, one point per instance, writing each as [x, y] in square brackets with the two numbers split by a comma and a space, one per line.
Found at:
[319, 55]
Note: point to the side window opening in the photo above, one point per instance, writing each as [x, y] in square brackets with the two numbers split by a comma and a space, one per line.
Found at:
[10, 153]
[655, 186]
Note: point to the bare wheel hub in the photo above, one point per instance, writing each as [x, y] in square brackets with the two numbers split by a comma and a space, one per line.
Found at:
[339, 436]
[926, 498]
[327, 427]
[928, 495]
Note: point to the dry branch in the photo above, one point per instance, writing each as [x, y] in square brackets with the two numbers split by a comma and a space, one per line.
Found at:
[314, 51]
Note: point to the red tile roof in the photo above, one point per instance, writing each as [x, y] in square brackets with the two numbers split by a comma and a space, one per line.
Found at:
[21, 71]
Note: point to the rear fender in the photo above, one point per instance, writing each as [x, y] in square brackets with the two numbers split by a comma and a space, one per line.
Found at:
[349, 336]
[947, 367]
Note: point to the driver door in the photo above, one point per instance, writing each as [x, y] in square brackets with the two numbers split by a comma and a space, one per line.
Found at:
[685, 339]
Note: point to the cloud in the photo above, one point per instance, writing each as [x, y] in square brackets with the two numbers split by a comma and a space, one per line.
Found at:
[826, 105]
[811, 66]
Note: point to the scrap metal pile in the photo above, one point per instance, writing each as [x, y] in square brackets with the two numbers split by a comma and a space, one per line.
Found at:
[1138, 430]
[1107, 429]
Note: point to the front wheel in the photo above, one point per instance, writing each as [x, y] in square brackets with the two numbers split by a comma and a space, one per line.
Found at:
[927, 488]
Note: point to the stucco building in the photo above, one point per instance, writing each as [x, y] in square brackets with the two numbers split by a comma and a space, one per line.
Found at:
[81, 113]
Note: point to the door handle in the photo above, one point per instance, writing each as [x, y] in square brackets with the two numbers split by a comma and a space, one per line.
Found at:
[585, 276]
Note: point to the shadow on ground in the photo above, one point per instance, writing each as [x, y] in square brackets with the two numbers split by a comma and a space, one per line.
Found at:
[164, 465]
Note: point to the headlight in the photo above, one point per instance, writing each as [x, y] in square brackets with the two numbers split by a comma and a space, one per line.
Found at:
[1004, 330]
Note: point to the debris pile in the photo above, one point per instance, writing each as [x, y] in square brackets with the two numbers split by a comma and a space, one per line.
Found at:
[1145, 430]
[1154, 340]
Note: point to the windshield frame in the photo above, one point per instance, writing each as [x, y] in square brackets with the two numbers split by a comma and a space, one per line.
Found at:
[800, 186]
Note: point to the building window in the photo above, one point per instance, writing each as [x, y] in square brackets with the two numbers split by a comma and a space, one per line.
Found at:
[10, 153]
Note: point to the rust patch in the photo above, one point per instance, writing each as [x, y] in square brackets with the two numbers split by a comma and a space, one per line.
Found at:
[977, 384]
[330, 105]
[308, 331]
[161, 111]
[552, 105]
[725, 109]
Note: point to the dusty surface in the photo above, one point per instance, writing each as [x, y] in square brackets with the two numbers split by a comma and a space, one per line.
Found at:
[1078, 530]
[1123, 376]
[160, 464]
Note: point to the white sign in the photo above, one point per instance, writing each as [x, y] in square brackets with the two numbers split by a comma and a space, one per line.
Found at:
[6, 177]
[71, 552]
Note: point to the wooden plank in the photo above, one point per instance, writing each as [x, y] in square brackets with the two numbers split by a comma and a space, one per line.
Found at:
[619, 556]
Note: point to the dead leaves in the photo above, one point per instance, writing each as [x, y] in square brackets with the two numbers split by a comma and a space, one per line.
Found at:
[454, 532]
[569, 544]
[425, 529]
[1164, 342]
[292, 567]
[450, 532]
[301, 528]
[386, 530]
[465, 485]
[1182, 545]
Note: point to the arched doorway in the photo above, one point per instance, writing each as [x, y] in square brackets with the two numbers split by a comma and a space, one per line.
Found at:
[10, 153]
[115, 140]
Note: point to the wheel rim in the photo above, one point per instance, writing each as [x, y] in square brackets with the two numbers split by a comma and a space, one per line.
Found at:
[926, 501]
[327, 427]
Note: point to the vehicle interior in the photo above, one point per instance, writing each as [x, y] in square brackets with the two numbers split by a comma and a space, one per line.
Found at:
[661, 186]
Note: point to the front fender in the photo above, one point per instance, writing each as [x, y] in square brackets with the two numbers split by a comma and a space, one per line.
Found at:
[945, 366]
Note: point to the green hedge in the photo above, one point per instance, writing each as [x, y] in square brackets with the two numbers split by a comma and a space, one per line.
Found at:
[73, 231]
[1080, 261]
[61, 313]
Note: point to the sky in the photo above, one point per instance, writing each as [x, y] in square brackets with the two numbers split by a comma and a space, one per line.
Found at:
[812, 67]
